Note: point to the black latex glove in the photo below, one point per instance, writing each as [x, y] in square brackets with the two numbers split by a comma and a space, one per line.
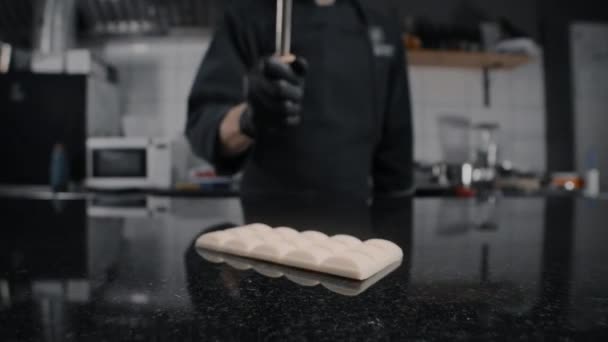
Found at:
[275, 91]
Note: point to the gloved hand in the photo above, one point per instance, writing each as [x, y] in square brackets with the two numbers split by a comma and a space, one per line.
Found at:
[275, 91]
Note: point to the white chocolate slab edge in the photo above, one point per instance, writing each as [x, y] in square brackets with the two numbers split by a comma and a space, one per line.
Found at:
[340, 255]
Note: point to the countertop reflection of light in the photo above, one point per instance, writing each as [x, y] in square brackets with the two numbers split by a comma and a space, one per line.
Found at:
[41, 193]
[5, 293]
[139, 298]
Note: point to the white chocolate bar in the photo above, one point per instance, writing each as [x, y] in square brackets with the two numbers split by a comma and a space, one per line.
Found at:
[341, 255]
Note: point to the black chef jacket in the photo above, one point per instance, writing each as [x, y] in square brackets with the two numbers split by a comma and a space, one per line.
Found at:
[356, 131]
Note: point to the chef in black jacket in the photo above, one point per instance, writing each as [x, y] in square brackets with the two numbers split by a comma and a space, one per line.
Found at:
[334, 120]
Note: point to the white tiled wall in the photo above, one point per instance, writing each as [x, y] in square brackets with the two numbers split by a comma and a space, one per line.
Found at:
[517, 105]
[156, 75]
[155, 78]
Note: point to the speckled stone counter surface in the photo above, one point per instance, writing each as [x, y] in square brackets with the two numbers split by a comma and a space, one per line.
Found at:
[122, 269]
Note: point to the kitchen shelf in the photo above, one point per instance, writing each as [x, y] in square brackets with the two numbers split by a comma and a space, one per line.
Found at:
[462, 59]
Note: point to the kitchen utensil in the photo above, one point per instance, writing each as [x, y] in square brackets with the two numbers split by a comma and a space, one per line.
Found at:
[283, 27]
[5, 57]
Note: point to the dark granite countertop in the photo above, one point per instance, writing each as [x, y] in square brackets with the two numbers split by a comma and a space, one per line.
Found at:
[110, 269]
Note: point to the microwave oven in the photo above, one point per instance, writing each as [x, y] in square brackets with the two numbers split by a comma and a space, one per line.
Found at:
[128, 163]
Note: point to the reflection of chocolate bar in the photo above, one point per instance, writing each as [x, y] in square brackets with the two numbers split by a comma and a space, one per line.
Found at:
[343, 286]
[339, 255]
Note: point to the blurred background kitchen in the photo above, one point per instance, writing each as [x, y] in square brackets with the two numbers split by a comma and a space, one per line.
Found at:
[507, 96]
[102, 197]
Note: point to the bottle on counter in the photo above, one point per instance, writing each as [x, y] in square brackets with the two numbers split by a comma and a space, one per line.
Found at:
[592, 176]
[59, 170]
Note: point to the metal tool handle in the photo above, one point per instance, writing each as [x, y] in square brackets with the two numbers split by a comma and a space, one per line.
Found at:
[283, 28]
[5, 57]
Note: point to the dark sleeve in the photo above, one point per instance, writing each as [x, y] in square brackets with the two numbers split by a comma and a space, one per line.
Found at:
[217, 88]
[393, 160]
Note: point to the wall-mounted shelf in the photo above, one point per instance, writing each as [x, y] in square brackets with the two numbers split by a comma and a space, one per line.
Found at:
[461, 59]
[486, 61]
